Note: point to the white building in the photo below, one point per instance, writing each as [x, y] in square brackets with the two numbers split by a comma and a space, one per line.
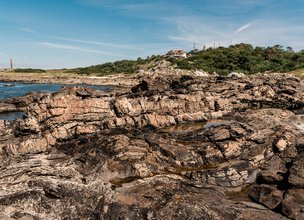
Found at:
[178, 53]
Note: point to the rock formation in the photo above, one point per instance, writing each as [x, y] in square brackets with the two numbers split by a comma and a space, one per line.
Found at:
[169, 148]
[165, 68]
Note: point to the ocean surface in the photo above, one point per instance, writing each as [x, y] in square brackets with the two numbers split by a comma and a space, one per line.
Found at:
[9, 90]
[15, 89]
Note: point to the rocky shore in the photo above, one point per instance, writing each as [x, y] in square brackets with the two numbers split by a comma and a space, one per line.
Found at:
[171, 147]
[117, 80]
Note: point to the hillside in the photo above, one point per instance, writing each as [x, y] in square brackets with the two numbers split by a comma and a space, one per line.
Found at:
[117, 67]
[222, 60]
[243, 58]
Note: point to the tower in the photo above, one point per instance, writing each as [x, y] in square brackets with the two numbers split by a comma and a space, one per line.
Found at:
[11, 64]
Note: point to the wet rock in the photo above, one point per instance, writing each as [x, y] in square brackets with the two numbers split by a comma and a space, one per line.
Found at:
[292, 204]
[273, 171]
[296, 177]
[220, 134]
[180, 202]
[143, 86]
[266, 195]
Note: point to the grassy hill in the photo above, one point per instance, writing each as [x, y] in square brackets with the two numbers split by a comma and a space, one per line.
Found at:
[243, 58]
[117, 67]
[222, 60]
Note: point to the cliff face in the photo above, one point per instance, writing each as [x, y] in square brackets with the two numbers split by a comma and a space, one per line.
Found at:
[170, 148]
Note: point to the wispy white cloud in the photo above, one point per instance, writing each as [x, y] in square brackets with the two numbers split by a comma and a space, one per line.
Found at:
[101, 43]
[129, 50]
[244, 27]
[193, 29]
[75, 48]
[138, 9]
[27, 30]
[217, 23]
[254, 3]
[262, 33]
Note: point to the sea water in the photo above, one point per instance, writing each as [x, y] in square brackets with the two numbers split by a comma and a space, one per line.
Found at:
[15, 89]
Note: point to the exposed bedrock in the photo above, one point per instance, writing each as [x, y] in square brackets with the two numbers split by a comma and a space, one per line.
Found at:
[170, 148]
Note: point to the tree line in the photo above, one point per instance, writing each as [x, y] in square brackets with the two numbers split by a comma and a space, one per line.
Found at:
[243, 58]
[117, 67]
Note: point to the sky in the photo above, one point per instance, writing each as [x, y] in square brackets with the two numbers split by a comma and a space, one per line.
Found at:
[75, 33]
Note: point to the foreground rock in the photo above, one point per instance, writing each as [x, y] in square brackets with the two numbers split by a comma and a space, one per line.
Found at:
[171, 148]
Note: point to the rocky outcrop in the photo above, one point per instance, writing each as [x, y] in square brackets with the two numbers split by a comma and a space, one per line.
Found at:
[170, 148]
[165, 68]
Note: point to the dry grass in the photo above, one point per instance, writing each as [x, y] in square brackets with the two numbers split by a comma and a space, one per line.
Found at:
[298, 72]
[46, 74]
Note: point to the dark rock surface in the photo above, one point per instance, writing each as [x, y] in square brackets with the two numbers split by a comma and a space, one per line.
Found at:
[170, 148]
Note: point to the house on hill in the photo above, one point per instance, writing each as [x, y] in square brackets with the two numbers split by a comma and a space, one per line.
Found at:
[178, 53]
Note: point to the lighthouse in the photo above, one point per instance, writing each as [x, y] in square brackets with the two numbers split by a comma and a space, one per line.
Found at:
[11, 65]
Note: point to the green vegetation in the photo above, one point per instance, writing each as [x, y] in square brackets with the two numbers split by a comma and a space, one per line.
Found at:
[223, 60]
[29, 70]
[243, 58]
[122, 66]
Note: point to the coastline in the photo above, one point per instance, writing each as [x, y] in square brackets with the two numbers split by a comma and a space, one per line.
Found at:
[113, 80]
[118, 84]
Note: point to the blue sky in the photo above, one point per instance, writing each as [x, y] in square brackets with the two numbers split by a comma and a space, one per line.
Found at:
[74, 33]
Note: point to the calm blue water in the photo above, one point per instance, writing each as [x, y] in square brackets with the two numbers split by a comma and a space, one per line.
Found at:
[10, 116]
[15, 89]
[9, 90]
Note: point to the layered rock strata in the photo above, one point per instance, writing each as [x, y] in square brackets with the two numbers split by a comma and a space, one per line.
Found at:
[170, 148]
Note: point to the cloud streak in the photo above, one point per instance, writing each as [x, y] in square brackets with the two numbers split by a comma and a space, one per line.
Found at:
[100, 43]
[203, 32]
[74, 48]
[246, 26]
[136, 9]
[26, 30]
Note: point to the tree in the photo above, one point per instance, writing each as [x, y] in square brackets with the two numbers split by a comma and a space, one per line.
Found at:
[289, 49]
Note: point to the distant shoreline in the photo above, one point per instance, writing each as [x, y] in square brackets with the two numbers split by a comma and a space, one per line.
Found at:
[113, 80]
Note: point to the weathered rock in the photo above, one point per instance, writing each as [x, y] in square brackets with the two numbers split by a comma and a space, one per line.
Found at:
[296, 176]
[273, 171]
[171, 148]
[236, 74]
[5, 107]
[293, 204]
[267, 195]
